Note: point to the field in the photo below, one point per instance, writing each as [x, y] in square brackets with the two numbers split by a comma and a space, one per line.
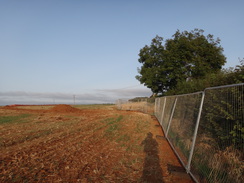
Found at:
[84, 143]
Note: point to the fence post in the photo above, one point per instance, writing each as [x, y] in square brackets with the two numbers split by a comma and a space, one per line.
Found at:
[188, 166]
[155, 107]
[162, 117]
[146, 110]
[171, 116]
[158, 108]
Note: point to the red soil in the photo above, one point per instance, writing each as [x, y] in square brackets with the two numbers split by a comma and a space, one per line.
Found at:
[66, 144]
[63, 108]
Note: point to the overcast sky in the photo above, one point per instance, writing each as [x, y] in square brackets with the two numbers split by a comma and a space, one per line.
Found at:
[51, 50]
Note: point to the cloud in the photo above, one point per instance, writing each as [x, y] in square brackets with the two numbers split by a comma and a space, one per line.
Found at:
[95, 97]
[21, 97]
[127, 92]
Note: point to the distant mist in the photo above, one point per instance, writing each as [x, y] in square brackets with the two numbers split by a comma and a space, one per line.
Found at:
[96, 97]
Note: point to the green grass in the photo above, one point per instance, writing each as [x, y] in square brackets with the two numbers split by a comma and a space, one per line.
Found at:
[14, 119]
[36, 107]
[93, 106]
[179, 142]
[107, 122]
[115, 131]
[141, 126]
[123, 138]
[113, 126]
[34, 135]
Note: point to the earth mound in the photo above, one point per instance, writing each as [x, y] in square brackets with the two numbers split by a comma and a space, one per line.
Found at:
[64, 108]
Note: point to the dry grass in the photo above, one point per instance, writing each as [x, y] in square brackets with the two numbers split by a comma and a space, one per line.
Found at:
[218, 165]
[231, 161]
[82, 145]
[95, 106]
[90, 146]
[137, 106]
[36, 107]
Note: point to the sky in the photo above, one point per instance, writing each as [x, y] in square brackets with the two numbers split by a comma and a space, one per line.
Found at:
[55, 51]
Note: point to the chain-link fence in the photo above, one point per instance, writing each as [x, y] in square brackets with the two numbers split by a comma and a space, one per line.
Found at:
[206, 131]
[145, 105]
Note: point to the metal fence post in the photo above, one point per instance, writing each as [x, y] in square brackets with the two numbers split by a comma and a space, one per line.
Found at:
[162, 117]
[146, 111]
[171, 117]
[158, 108]
[188, 166]
[155, 107]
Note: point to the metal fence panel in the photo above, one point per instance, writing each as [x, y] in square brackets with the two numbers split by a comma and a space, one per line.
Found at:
[144, 105]
[205, 129]
[163, 103]
[183, 123]
[161, 110]
[218, 155]
[167, 111]
[156, 108]
[211, 150]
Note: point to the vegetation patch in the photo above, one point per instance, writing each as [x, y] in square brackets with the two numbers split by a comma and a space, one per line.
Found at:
[14, 119]
[113, 125]
[102, 145]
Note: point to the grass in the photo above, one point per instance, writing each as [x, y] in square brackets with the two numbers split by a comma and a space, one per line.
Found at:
[33, 136]
[113, 126]
[36, 107]
[123, 138]
[63, 146]
[212, 175]
[179, 143]
[94, 106]
[115, 131]
[14, 119]
[218, 166]
[109, 121]
[137, 106]
[140, 127]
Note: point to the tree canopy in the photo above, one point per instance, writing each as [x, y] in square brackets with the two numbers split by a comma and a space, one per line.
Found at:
[223, 77]
[186, 55]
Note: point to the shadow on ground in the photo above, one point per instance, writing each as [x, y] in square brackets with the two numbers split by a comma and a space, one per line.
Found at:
[152, 171]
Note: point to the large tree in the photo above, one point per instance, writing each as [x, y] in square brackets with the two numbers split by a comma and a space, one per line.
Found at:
[186, 55]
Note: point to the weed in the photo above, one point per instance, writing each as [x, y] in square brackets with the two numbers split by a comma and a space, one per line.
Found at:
[141, 126]
[14, 119]
[105, 123]
[94, 106]
[113, 127]
[123, 138]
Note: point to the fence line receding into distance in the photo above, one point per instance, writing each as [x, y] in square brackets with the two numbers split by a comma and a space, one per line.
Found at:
[205, 129]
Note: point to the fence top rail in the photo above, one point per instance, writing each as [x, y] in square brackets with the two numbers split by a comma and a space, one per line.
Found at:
[195, 93]
[210, 88]
[224, 86]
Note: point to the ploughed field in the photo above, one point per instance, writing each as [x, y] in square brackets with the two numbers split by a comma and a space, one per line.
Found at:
[84, 143]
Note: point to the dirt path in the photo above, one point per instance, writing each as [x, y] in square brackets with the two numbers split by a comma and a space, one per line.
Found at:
[172, 170]
[66, 144]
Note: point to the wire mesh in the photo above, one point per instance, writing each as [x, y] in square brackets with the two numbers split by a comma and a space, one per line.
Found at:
[160, 109]
[157, 108]
[218, 155]
[182, 126]
[145, 105]
[167, 111]
[163, 104]
[120, 102]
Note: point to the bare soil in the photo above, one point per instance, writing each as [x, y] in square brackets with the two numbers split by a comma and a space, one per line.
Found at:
[78, 144]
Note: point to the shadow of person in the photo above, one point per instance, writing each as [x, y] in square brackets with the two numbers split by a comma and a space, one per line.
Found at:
[152, 171]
